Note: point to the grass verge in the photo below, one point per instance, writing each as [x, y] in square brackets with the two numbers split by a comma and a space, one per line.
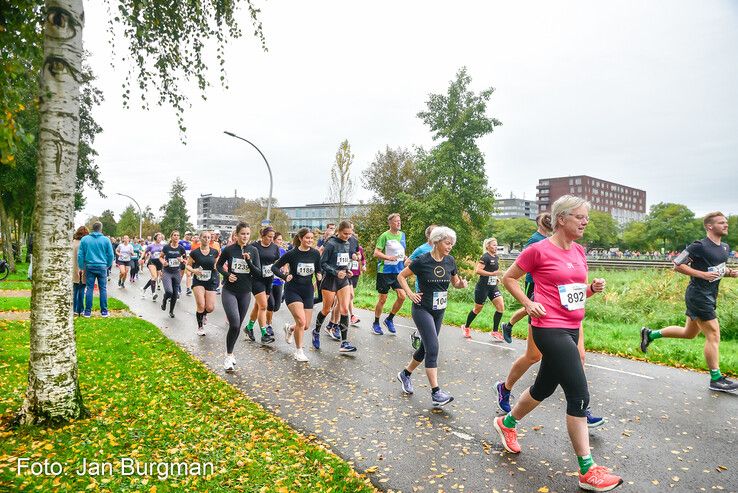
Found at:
[152, 402]
[15, 285]
[24, 304]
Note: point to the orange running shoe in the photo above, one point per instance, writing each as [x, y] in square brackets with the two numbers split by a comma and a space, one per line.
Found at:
[598, 478]
[467, 331]
[509, 437]
[497, 337]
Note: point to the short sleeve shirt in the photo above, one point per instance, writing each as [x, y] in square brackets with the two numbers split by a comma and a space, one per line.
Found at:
[707, 256]
[391, 244]
[433, 280]
[535, 238]
[553, 267]
[491, 264]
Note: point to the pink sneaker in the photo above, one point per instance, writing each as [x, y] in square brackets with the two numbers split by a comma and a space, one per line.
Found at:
[509, 437]
[598, 478]
[497, 337]
[466, 331]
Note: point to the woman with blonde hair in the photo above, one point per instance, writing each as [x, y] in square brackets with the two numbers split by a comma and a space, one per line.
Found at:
[488, 270]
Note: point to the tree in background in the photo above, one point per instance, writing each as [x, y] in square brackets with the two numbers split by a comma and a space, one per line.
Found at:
[253, 211]
[672, 226]
[602, 230]
[175, 211]
[128, 222]
[512, 232]
[151, 224]
[341, 186]
[109, 224]
[635, 237]
[457, 193]
[732, 238]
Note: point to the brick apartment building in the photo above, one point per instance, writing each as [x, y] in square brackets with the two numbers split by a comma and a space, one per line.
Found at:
[625, 204]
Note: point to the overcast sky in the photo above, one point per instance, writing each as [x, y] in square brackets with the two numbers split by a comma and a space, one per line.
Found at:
[640, 93]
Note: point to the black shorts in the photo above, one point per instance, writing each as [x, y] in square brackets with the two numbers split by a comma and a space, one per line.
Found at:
[354, 280]
[127, 263]
[211, 285]
[333, 284]
[299, 293]
[484, 292]
[385, 282]
[700, 306]
[262, 286]
[156, 263]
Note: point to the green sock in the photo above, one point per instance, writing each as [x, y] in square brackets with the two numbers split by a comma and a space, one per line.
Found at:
[509, 421]
[250, 325]
[585, 463]
[654, 334]
[715, 374]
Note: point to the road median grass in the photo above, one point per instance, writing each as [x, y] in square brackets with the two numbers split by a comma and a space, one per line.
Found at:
[651, 297]
[153, 403]
[23, 304]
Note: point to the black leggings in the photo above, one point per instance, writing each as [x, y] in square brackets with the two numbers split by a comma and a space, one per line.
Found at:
[561, 365]
[134, 269]
[236, 306]
[171, 281]
[429, 326]
[274, 302]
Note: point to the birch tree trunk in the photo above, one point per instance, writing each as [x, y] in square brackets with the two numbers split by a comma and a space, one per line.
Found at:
[53, 394]
[7, 235]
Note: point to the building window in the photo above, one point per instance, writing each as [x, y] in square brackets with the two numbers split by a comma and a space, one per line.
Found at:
[543, 207]
[578, 181]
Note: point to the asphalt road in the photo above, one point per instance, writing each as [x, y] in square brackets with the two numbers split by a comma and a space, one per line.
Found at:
[665, 430]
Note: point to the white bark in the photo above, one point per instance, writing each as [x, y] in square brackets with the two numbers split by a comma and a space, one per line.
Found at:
[53, 393]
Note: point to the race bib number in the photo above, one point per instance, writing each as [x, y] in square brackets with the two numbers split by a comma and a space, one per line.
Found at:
[239, 266]
[440, 300]
[342, 259]
[205, 275]
[305, 269]
[354, 265]
[125, 258]
[492, 280]
[173, 262]
[395, 248]
[573, 296]
[266, 271]
[155, 255]
[720, 269]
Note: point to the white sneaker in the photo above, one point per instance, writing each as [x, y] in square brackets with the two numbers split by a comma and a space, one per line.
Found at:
[143, 294]
[200, 331]
[229, 364]
[300, 356]
[289, 332]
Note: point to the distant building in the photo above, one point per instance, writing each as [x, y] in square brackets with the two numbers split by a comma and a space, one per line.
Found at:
[218, 212]
[625, 204]
[514, 207]
[317, 216]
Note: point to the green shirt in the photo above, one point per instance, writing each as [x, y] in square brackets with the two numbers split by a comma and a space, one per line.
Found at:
[391, 244]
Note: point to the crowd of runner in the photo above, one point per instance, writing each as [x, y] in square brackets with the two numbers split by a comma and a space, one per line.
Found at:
[307, 272]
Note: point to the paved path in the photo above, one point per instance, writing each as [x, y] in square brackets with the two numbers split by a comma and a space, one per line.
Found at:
[665, 430]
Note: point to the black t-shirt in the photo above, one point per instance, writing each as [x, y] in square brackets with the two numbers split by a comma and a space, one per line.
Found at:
[204, 262]
[267, 255]
[433, 280]
[336, 256]
[706, 256]
[491, 264]
[244, 269]
[173, 255]
[303, 265]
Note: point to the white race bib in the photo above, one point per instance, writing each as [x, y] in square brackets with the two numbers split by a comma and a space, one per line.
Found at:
[440, 300]
[342, 259]
[492, 280]
[204, 276]
[266, 271]
[125, 258]
[173, 262]
[155, 255]
[573, 296]
[305, 268]
[239, 266]
[720, 269]
[394, 247]
[354, 265]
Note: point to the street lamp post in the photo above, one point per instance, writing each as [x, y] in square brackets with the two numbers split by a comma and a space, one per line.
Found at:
[140, 214]
[271, 179]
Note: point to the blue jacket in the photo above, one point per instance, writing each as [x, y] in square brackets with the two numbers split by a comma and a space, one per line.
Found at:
[95, 249]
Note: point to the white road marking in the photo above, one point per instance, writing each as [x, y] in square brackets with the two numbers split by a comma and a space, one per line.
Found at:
[497, 345]
[619, 371]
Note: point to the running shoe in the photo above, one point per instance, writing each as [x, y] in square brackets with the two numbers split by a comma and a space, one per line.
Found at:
[355, 320]
[267, 339]
[164, 305]
[171, 314]
[415, 340]
[377, 329]
[289, 332]
[300, 356]
[466, 331]
[503, 397]
[645, 341]
[189, 292]
[250, 333]
[87, 314]
[722, 384]
[346, 347]
[104, 313]
[390, 326]
[316, 338]
[507, 332]
[497, 337]
[336, 332]
[441, 398]
[509, 436]
[269, 330]
[217, 291]
[156, 295]
[598, 478]
[407, 385]
[229, 364]
[331, 332]
[143, 293]
[593, 421]
[200, 331]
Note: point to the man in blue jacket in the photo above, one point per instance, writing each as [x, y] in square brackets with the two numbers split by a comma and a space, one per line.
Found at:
[96, 257]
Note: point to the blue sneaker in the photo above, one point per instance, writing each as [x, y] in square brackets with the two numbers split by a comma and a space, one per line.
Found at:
[503, 397]
[316, 339]
[594, 421]
[390, 326]
[269, 330]
[507, 332]
[377, 329]
[104, 313]
[331, 332]
[336, 332]
[441, 398]
[87, 314]
[346, 347]
[407, 385]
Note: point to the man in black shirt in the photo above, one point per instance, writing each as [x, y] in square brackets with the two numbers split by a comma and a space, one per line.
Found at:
[705, 261]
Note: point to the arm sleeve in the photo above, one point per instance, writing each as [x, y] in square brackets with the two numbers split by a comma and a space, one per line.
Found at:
[381, 242]
[281, 262]
[414, 266]
[110, 254]
[81, 256]
[416, 253]
[316, 263]
[527, 259]
[325, 263]
[254, 262]
[224, 257]
[454, 269]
